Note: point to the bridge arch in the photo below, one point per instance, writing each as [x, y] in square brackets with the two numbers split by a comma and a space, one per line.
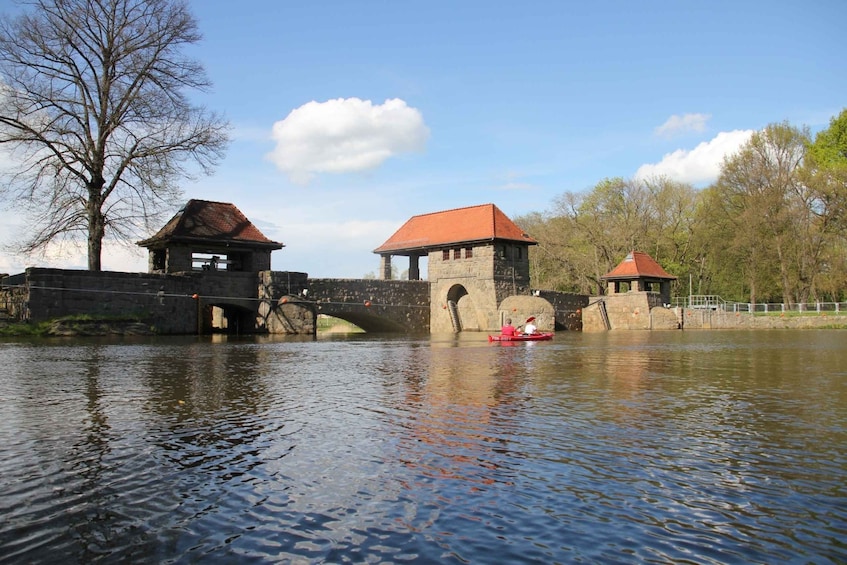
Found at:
[224, 317]
[374, 305]
[370, 322]
[463, 310]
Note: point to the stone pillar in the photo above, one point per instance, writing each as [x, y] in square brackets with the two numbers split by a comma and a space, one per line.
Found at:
[635, 285]
[612, 287]
[665, 291]
[385, 267]
[414, 268]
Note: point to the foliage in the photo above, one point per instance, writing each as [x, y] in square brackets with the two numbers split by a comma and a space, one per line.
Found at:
[588, 234]
[92, 104]
[772, 228]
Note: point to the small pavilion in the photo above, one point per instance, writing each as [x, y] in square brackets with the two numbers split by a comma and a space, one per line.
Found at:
[209, 236]
[639, 272]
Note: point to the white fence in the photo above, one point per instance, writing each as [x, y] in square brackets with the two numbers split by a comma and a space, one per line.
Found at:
[713, 302]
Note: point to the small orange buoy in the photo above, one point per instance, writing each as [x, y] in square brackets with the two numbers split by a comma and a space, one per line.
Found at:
[367, 303]
[195, 296]
[284, 300]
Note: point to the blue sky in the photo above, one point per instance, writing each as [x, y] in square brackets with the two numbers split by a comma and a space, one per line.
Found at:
[350, 117]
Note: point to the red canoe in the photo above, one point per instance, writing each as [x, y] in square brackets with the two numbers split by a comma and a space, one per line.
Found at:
[519, 337]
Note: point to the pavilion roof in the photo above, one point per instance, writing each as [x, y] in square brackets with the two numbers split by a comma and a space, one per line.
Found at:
[485, 222]
[638, 265]
[203, 221]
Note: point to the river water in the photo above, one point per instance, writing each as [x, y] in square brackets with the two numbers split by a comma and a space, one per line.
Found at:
[625, 447]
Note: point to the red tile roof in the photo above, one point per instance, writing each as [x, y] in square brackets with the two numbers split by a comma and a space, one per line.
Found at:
[214, 222]
[461, 225]
[638, 265]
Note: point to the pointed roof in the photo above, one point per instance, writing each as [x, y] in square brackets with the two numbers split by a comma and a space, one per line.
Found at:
[638, 265]
[202, 221]
[485, 222]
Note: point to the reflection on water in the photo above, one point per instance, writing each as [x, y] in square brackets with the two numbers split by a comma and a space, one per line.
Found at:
[620, 447]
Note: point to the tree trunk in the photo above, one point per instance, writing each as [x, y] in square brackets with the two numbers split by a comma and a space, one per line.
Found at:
[96, 228]
[783, 272]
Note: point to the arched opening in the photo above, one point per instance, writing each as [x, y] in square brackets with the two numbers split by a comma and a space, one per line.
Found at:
[229, 319]
[461, 308]
[367, 322]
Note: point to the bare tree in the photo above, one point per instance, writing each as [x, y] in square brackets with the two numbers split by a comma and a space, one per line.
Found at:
[93, 105]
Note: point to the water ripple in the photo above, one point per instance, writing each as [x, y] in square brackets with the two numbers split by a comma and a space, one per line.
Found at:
[619, 449]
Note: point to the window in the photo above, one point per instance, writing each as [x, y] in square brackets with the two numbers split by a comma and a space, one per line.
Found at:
[457, 253]
[468, 252]
[159, 257]
[210, 262]
[445, 255]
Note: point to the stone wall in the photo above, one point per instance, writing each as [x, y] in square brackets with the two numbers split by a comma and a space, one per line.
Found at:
[632, 310]
[284, 307]
[719, 320]
[162, 301]
[477, 284]
[567, 308]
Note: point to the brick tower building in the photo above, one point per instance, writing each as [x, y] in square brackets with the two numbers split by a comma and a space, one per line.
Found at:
[476, 258]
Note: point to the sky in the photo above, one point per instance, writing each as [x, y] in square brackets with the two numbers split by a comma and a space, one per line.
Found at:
[348, 118]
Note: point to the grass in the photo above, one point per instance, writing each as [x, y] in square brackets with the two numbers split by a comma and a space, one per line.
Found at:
[330, 323]
[18, 329]
[43, 329]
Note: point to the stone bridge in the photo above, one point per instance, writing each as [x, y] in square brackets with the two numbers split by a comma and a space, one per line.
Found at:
[374, 305]
[203, 302]
[291, 301]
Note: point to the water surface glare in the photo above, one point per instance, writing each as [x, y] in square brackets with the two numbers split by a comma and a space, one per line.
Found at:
[629, 447]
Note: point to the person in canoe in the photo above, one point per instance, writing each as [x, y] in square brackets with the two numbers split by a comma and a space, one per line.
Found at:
[530, 328]
[508, 329]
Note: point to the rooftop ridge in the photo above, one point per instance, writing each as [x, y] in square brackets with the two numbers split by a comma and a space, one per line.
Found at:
[459, 209]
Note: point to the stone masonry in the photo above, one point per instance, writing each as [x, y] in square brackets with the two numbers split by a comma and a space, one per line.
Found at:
[476, 284]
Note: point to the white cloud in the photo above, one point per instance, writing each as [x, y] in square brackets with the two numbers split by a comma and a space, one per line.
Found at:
[699, 165]
[345, 135]
[681, 124]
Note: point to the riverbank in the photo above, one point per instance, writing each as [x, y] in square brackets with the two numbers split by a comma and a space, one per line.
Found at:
[82, 326]
[77, 326]
[720, 320]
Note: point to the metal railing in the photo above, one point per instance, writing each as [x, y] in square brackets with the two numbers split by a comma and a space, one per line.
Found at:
[714, 302]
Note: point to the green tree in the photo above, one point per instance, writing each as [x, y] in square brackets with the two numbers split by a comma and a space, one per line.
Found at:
[760, 187]
[825, 181]
[587, 234]
[93, 104]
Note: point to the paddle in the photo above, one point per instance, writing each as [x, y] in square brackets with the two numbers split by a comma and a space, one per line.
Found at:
[528, 320]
